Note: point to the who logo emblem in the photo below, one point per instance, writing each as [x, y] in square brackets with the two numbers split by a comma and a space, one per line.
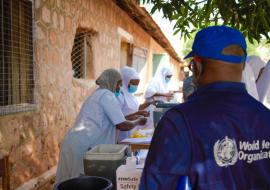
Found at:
[225, 152]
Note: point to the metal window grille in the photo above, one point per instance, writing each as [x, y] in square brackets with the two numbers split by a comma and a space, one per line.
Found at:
[82, 55]
[16, 56]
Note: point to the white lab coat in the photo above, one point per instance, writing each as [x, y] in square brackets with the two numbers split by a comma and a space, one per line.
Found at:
[256, 64]
[263, 85]
[126, 108]
[128, 102]
[156, 85]
[126, 111]
[94, 125]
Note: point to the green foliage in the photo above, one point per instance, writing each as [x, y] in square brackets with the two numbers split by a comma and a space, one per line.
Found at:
[252, 17]
[252, 48]
[187, 46]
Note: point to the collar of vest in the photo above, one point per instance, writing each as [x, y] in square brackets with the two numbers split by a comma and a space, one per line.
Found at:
[223, 86]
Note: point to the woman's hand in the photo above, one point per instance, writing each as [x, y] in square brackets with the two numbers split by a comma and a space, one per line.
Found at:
[142, 120]
[168, 95]
[142, 113]
[155, 102]
[128, 125]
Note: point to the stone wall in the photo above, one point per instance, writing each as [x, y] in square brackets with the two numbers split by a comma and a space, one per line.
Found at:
[32, 138]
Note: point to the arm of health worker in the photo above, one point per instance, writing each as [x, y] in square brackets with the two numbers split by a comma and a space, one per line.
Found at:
[169, 156]
[113, 111]
[137, 114]
[168, 95]
[128, 125]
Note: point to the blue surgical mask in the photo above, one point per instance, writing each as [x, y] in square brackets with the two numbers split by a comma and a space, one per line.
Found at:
[167, 79]
[132, 88]
[117, 93]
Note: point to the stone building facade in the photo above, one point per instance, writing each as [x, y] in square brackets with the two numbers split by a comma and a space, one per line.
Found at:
[32, 138]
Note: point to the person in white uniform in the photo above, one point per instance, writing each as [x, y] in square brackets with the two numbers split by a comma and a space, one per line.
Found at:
[256, 64]
[128, 102]
[248, 78]
[263, 85]
[96, 124]
[158, 88]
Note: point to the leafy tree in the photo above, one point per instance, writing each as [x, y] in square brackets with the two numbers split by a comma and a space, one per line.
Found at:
[252, 17]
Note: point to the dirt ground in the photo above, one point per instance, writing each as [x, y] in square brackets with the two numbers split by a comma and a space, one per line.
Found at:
[47, 186]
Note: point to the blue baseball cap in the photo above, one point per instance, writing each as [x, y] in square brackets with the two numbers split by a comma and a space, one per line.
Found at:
[209, 43]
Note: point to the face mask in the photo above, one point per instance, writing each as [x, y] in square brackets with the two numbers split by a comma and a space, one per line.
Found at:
[167, 79]
[132, 88]
[117, 93]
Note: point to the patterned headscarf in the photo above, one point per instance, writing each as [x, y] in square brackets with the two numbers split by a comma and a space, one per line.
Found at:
[108, 79]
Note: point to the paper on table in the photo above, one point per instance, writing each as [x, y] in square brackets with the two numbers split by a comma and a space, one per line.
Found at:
[137, 140]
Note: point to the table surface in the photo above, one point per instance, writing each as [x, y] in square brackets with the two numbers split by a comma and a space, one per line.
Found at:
[137, 143]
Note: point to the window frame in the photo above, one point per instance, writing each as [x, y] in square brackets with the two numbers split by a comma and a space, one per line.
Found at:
[139, 53]
[87, 65]
[25, 107]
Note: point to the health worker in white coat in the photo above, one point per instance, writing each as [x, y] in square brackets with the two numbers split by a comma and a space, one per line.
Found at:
[128, 102]
[96, 124]
[158, 88]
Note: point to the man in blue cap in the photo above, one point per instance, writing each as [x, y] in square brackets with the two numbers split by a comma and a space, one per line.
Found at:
[220, 137]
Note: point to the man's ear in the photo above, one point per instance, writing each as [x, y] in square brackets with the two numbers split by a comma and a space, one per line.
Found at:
[197, 59]
[198, 63]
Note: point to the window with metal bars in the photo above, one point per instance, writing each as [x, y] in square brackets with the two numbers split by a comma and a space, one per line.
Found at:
[16, 56]
[82, 54]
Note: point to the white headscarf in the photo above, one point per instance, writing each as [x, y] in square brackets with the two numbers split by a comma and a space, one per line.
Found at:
[249, 79]
[256, 64]
[158, 84]
[263, 86]
[128, 74]
[164, 87]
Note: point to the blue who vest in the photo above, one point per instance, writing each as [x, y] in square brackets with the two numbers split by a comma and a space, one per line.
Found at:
[230, 138]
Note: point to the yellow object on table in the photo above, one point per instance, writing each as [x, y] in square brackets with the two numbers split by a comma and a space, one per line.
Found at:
[139, 139]
[137, 134]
